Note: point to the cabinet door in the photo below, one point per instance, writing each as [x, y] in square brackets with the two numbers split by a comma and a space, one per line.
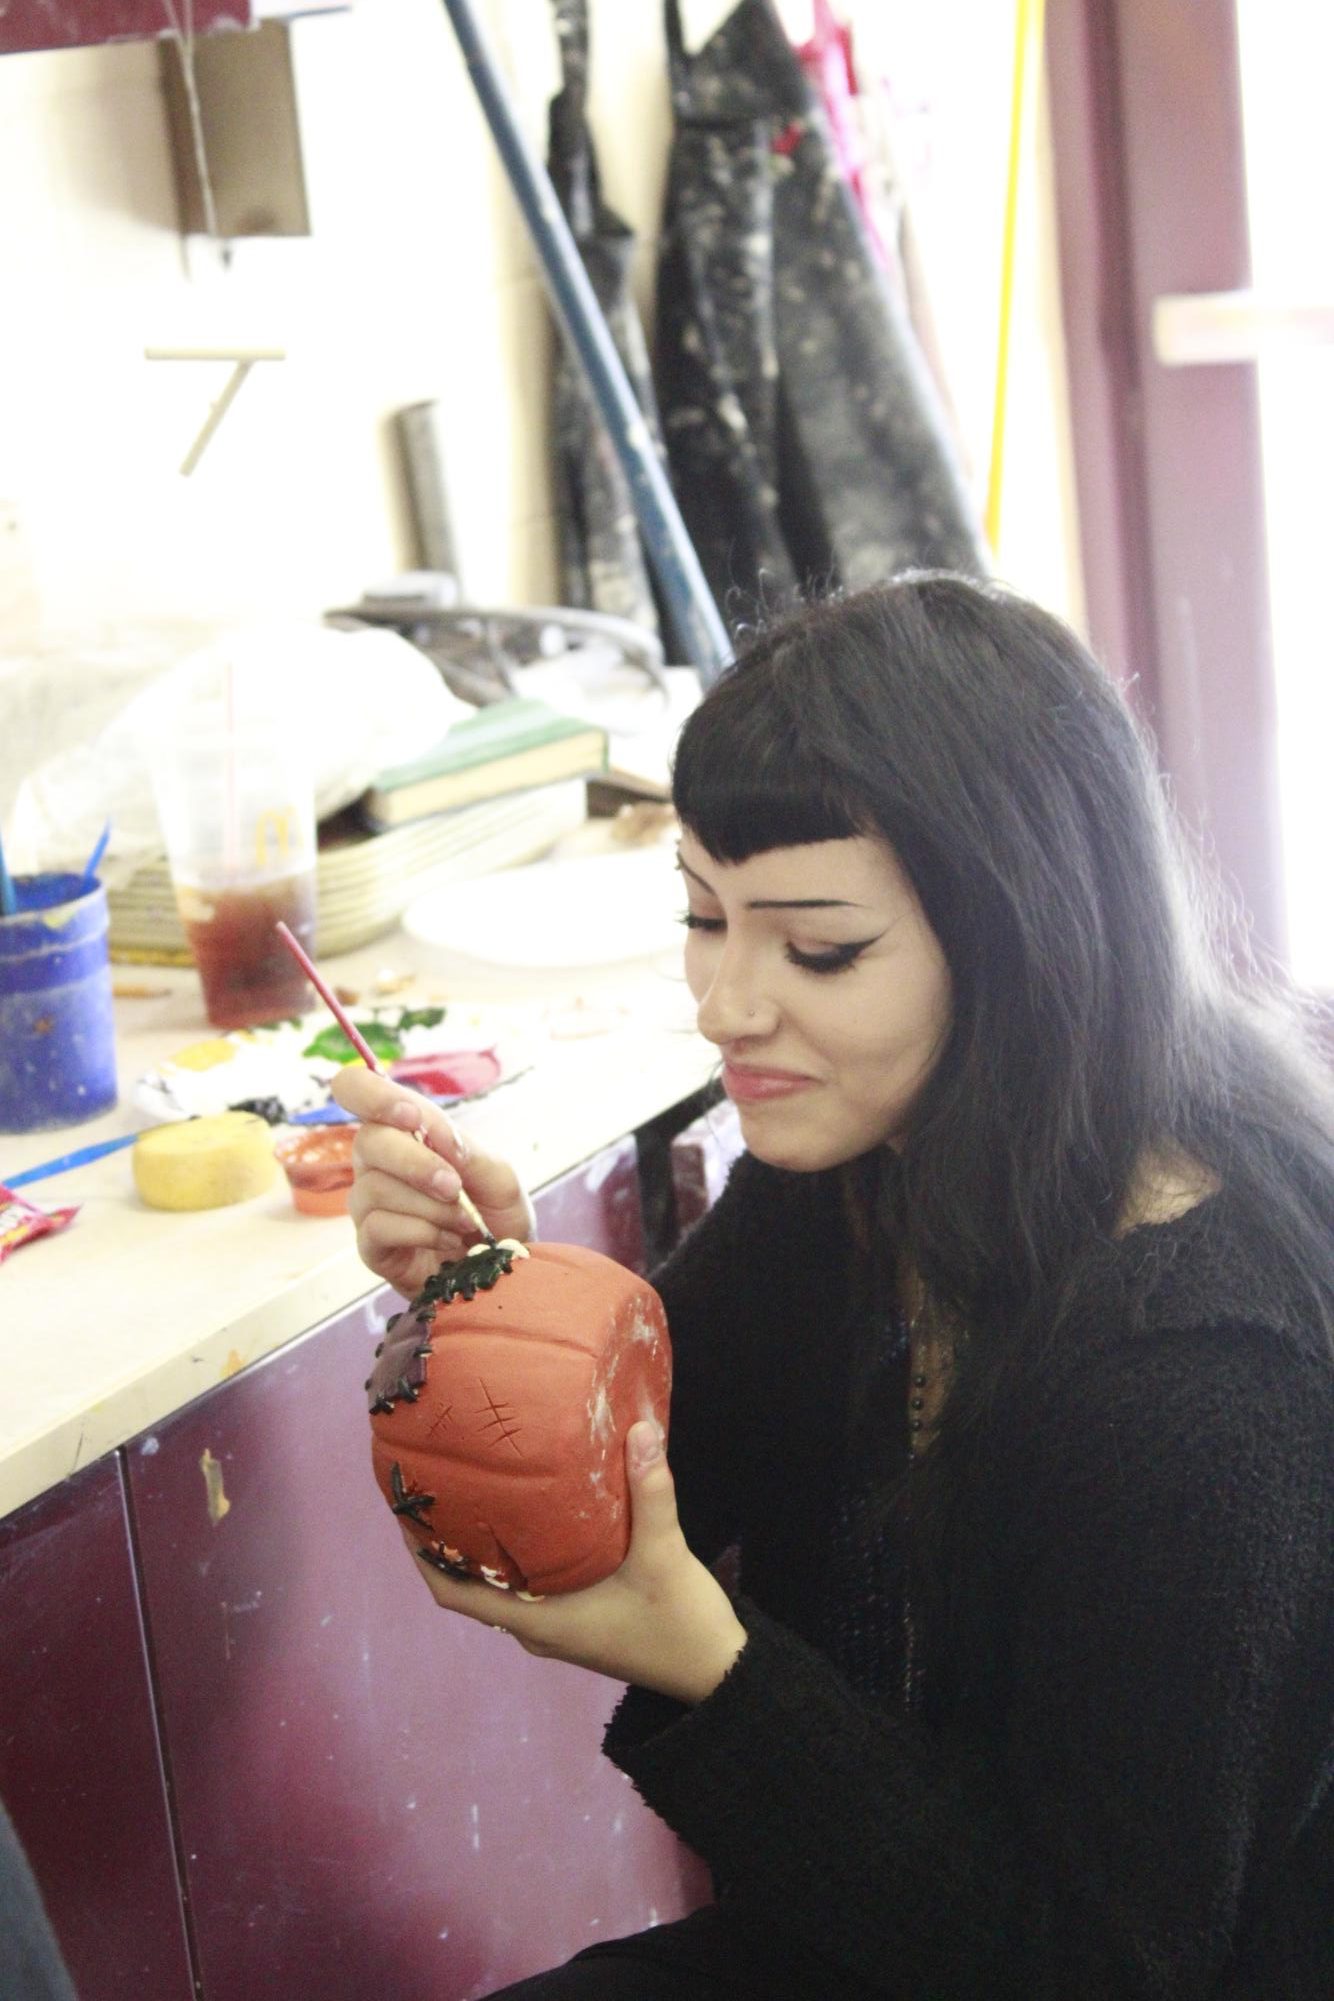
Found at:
[79, 1766]
[597, 1204]
[373, 1797]
[703, 1154]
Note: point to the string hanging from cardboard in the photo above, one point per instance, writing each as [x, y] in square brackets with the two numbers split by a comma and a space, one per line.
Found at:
[183, 35]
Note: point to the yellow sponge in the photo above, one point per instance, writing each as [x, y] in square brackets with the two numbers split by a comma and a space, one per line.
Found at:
[204, 1163]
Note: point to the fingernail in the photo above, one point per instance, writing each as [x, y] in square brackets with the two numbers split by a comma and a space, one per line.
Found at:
[445, 1183]
[645, 1444]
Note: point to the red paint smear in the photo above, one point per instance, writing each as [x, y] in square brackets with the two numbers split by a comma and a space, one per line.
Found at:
[457, 1073]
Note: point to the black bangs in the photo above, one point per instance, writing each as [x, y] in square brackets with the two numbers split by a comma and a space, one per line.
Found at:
[745, 780]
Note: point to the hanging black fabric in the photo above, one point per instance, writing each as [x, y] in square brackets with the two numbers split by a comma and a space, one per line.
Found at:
[603, 566]
[804, 433]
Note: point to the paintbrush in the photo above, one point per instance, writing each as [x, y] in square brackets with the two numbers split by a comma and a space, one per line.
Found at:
[9, 902]
[365, 1052]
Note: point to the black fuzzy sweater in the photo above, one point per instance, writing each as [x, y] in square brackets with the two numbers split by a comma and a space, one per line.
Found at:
[1118, 1783]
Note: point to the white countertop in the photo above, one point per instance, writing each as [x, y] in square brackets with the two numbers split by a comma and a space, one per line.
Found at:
[114, 1324]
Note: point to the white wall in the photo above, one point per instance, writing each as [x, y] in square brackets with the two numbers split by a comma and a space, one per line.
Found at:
[417, 282]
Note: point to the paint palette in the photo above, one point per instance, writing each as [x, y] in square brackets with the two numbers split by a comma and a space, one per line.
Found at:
[286, 1068]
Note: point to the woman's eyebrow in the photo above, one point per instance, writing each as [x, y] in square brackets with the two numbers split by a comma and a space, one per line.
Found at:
[777, 902]
[802, 903]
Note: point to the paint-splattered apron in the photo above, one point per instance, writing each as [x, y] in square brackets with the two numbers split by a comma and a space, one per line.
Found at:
[804, 433]
[602, 561]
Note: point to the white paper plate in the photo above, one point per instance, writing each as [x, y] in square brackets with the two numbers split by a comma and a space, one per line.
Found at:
[594, 910]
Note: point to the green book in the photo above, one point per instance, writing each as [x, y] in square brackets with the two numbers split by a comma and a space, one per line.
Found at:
[508, 746]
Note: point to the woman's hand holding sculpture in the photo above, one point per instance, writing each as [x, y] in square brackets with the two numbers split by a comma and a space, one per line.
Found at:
[662, 1620]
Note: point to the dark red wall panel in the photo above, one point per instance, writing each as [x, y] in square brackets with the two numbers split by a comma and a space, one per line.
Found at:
[68, 24]
[1150, 178]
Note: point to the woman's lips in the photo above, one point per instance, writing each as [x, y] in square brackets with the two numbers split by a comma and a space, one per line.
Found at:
[747, 1085]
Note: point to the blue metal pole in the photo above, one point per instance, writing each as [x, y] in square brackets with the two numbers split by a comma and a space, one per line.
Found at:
[670, 549]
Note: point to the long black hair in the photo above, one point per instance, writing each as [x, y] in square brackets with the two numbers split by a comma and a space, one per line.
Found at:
[1094, 1022]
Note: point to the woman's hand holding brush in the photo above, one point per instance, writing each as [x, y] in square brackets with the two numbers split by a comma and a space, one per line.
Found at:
[420, 1194]
[416, 1182]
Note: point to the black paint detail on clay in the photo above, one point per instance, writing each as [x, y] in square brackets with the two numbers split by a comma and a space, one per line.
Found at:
[408, 1502]
[401, 1358]
[466, 1277]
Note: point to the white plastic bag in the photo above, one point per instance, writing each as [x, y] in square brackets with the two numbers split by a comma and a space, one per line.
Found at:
[364, 699]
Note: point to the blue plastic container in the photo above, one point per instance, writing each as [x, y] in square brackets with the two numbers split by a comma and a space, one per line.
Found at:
[57, 1045]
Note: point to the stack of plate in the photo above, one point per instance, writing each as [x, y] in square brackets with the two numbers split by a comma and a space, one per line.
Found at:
[365, 881]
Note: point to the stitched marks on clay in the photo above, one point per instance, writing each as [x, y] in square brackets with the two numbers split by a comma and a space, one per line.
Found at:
[500, 1422]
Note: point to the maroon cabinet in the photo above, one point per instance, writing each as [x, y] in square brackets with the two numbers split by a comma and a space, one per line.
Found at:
[80, 1770]
[367, 1796]
[702, 1157]
[598, 1204]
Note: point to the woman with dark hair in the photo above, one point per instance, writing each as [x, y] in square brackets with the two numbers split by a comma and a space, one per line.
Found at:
[1005, 1361]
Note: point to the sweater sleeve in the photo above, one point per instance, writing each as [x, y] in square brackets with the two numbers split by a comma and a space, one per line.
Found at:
[1162, 1733]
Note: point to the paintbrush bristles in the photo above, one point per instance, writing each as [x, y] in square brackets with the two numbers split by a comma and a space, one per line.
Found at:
[474, 1215]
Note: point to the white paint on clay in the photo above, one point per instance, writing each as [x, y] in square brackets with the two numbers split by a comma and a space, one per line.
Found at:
[599, 1414]
[643, 1327]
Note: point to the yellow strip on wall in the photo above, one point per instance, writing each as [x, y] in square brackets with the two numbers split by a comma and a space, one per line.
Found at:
[1028, 27]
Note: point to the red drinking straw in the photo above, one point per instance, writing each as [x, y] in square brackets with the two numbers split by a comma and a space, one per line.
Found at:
[363, 1049]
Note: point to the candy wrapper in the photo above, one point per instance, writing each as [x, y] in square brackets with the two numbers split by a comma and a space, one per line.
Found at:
[21, 1222]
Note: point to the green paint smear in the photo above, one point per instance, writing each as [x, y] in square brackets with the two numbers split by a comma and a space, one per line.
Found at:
[381, 1039]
